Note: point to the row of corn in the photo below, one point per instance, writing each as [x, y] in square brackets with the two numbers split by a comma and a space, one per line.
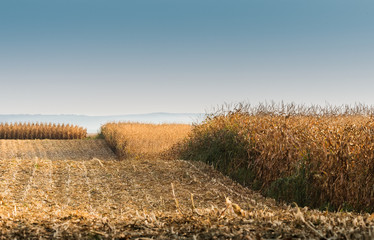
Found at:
[134, 140]
[41, 131]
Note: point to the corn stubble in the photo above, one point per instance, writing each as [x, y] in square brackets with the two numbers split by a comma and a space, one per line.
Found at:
[141, 140]
[110, 199]
[41, 131]
[315, 156]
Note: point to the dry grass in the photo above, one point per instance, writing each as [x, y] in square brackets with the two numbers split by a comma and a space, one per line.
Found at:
[135, 140]
[314, 156]
[41, 131]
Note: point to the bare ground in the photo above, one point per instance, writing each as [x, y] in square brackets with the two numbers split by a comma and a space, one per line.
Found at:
[99, 197]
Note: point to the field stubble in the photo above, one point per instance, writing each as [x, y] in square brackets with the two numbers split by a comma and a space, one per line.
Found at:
[150, 198]
[55, 149]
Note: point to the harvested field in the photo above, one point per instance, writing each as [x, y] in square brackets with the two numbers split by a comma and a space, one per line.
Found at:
[103, 198]
[55, 149]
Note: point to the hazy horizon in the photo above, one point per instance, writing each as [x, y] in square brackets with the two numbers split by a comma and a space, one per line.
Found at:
[103, 58]
[93, 123]
[86, 115]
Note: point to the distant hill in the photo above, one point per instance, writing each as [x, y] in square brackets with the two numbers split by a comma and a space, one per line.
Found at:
[93, 123]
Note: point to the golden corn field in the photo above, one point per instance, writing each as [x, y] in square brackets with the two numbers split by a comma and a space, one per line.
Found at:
[131, 140]
[316, 157]
[41, 131]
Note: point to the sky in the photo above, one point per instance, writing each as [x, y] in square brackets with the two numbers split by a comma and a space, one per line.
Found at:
[111, 57]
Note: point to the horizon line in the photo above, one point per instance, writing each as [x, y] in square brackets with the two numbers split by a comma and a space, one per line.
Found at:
[86, 115]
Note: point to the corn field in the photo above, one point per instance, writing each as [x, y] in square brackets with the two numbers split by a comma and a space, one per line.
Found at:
[41, 131]
[321, 157]
[134, 140]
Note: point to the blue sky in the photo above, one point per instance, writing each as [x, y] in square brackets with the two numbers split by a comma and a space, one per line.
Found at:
[105, 57]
